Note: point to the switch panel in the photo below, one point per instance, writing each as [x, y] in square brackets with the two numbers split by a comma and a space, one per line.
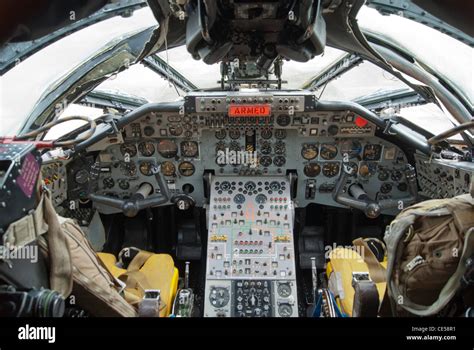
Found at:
[250, 255]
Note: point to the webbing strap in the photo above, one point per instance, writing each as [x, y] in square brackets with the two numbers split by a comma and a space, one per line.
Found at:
[139, 260]
[376, 271]
[136, 281]
[61, 268]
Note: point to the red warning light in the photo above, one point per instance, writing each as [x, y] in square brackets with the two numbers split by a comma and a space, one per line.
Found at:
[257, 110]
[360, 122]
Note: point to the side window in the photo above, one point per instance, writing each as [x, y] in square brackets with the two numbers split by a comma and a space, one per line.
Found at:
[362, 80]
[72, 110]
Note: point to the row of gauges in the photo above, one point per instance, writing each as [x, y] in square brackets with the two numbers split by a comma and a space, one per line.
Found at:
[265, 147]
[365, 170]
[235, 133]
[129, 169]
[166, 148]
[250, 188]
[351, 148]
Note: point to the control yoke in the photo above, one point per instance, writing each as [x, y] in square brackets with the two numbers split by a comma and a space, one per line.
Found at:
[140, 200]
[357, 198]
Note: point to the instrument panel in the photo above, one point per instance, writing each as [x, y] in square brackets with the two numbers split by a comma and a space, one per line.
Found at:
[442, 178]
[250, 268]
[294, 137]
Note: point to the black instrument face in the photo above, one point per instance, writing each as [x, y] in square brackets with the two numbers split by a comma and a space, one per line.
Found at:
[283, 120]
[128, 169]
[328, 151]
[265, 161]
[279, 161]
[312, 169]
[266, 148]
[128, 149]
[189, 149]
[220, 134]
[280, 134]
[146, 149]
[331, 169]
[234, 134]
[266, 134]
[372, 152]
[280, 148]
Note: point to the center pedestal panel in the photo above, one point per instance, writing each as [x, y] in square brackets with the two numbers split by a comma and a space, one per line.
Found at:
[250, 268]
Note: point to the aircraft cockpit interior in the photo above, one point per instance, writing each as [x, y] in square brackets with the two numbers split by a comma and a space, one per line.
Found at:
[271, 171]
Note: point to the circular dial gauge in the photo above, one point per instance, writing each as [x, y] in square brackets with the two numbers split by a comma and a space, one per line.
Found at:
[350, 148]
[124, 184]
[81, 176]
[266, 147]
[128, 148]
[367, 170]
[265, 161]
[128, 168]
[266, 134]
[280, 148]
[250, 186]
[176, 130]
[108, 182]
[168, 168]
[275, 186]
[328, 151]
[283, 120]
[279, 161]
[285, 310]
[146, 168]
[220, 134]
[148, 130]
[386, 188]
[219, 297]
[234, 134]
[225, 186]
[309, 151]
[239, 198]
[261, 198]
[372, 151]
[396, 175]
[186, 168]
[280, 134]
[312, 169]
[167, 149]
[383, 174]
[189, 149]
[284, 290]
[331, 169]
[147, 149]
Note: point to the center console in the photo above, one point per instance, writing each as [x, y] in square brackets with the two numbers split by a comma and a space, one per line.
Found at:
[250, 256]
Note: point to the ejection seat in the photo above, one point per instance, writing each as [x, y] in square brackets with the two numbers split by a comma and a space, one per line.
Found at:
[146, 271]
